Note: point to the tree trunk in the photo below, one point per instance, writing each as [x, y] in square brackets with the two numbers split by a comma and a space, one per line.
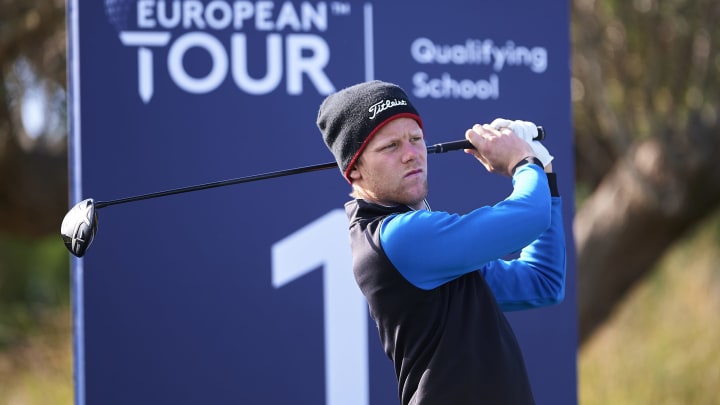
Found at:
[652, 196]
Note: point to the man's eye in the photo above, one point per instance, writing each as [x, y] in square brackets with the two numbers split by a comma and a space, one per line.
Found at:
[389, 146]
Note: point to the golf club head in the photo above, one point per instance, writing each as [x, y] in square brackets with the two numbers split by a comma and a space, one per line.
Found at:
[79, 227]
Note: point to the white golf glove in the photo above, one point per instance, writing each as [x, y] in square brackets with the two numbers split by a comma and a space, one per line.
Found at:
[526, 130]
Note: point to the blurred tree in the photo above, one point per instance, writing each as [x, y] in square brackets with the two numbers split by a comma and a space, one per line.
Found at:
[647, 136]
[645, 80]
[33, 167]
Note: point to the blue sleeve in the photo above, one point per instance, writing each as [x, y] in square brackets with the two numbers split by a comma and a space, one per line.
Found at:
[537, 277]
[431, 248]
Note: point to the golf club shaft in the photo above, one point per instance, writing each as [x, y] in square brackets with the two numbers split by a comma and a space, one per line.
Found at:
[322, 166]
[221, 183]
[437, 148]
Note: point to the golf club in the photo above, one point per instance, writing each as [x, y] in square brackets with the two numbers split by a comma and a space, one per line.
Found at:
[79, 225]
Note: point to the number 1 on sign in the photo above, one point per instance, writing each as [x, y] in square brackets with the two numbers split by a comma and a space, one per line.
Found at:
[324, 243]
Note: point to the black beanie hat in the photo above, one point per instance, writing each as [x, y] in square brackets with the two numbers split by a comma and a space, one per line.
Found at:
[349, 118]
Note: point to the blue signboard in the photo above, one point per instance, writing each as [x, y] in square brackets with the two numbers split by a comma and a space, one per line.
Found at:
[245, 294]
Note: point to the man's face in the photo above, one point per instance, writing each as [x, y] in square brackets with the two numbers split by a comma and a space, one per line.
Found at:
[393, 167]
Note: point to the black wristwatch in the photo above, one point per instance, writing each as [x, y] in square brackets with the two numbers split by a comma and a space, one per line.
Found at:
[527, 160]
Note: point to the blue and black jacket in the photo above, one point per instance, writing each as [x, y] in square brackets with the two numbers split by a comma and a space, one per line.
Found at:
[437, 286]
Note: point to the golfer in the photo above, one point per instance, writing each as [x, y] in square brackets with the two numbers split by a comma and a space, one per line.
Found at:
[436, 282]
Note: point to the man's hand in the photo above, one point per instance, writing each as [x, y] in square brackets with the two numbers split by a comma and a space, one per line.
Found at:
[498, 151]
[526, 130]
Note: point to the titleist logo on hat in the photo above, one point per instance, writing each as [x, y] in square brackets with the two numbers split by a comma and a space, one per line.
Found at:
[383, 105]
[350, 117]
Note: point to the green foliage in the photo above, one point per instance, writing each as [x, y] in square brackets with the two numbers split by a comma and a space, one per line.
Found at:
[34, 281]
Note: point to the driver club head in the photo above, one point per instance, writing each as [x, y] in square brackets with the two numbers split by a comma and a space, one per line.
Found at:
[79, 227]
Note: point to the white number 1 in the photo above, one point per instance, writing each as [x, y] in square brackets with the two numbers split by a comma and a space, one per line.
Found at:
[324, 242]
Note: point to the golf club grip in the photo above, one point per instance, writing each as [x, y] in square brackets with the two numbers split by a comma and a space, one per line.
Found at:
[465, 144]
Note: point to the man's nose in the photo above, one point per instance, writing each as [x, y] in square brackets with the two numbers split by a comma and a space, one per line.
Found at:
[410, 152]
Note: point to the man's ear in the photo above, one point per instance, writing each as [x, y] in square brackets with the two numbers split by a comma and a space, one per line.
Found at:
[355, 173]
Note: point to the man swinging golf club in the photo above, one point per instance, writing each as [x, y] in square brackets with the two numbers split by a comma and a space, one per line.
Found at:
[435, 282]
